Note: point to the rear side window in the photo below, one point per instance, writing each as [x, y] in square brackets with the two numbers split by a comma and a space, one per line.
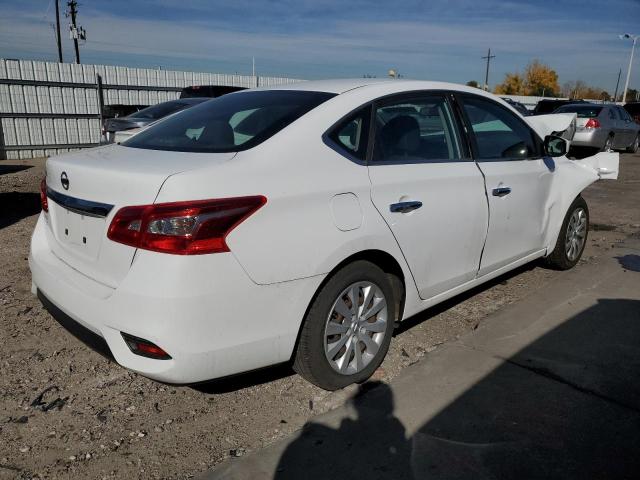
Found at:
[230, 123]
[415, 130]
[582, 111]
[499, 134]
[351, 135]
[622, 113]
[161, 110]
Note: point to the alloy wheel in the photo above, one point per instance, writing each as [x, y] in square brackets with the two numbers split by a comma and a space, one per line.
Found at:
[355, 327]
[576, 234]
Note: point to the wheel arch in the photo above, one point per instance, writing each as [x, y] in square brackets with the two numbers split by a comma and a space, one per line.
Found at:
[385, 261]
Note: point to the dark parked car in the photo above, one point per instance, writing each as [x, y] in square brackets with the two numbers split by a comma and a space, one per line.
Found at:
[209, 91]
[524, 111]
[121, 128]
[633, 109]
[118, 110]
[549, 106]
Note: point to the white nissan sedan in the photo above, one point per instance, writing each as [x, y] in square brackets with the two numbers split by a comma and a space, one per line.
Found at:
[302, 223]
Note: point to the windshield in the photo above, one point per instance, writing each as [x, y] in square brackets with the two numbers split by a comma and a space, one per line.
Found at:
[583, 111]
[231, 123]
[161, 110]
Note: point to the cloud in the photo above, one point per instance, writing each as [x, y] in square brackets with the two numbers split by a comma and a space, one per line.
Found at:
[326, 38]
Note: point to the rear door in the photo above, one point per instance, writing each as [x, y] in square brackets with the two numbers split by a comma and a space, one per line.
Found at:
[518, 180]
[627, 126]
[427, 188]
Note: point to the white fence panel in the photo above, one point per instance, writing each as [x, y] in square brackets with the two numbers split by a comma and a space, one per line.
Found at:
[44, 99]
[72, 130]
[30, 99]
[48, 132]
[5, 99]
[17, 98]
[55, 100]
[26, 70]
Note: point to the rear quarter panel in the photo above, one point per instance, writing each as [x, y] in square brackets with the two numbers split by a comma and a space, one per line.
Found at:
[295, 234]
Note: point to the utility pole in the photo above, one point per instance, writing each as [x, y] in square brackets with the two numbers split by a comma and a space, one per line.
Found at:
[75, 32]
[486, 76]
[58, 31]
[615, 95]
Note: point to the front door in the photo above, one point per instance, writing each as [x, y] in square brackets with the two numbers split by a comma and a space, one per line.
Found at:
[517, 178]
[430, 193]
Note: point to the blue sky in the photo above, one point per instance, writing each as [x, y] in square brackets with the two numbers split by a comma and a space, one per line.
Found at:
[431, 39]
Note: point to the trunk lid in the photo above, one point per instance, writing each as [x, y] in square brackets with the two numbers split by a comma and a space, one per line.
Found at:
[87, 188]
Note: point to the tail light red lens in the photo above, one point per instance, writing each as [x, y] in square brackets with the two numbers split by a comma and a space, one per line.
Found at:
[183, 228]
[145, 348]
[592, 123]
[44, 202]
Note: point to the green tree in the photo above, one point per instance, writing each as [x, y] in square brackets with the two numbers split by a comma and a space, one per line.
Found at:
[473, 83]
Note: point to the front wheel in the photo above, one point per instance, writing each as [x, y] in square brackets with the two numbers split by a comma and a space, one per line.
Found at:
[635, 146]
[347, 330]
[572, 238]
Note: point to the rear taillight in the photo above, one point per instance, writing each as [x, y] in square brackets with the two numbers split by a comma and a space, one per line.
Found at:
[182, 228]
[44, 203]
[592, 123]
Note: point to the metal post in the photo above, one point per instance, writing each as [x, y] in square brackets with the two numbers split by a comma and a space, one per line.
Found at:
[615, 95]
[626, 84]
[58, 31]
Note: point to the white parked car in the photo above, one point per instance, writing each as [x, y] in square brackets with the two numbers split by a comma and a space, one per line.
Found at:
[301, 223]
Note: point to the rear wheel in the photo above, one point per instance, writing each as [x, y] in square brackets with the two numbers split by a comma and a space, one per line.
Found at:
[572, 238]
[347, 330]
[635, 146]
[608, 144]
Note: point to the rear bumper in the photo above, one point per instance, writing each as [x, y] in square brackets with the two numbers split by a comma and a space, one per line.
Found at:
[589, 138]
[203, 310]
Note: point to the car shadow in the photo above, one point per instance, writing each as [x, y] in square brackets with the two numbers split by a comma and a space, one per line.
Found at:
[6, 169]
[14, 206]
[245, 380]
[567, 406]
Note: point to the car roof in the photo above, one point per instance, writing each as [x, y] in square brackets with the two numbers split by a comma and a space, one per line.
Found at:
[339, 86]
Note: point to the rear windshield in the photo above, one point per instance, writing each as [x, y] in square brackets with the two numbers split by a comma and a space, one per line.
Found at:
[231, 123]
[583, 111]
[161, 110]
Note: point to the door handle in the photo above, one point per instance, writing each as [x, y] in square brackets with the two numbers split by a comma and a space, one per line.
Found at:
[405, 207]
[501, 191]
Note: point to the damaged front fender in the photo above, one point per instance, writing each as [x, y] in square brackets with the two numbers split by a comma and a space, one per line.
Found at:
[570, 178]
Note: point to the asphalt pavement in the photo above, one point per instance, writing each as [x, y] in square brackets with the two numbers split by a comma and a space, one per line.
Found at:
[546, 388]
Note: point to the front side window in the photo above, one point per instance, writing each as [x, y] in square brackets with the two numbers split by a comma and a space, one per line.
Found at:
[231, 123]
[499, 134]
[415, 130]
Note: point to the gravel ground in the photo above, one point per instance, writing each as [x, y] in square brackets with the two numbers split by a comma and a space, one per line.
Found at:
[67, 412]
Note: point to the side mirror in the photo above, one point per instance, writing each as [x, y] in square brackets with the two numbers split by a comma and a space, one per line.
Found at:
[555, 146]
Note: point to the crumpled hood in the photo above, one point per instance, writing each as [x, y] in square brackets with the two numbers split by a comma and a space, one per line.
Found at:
[559, 123]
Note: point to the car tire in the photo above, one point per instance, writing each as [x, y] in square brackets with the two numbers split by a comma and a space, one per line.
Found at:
[318, 358]
[608, 144]
[572, 237]
[635, 146]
